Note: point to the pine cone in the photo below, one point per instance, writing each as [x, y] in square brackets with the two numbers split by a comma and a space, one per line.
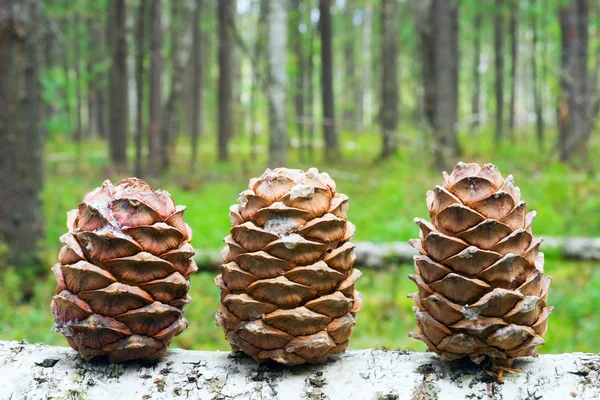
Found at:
[123, 273]
[482, 289]
[287, 285]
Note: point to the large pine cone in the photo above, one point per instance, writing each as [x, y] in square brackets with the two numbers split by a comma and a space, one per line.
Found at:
[482, 289]
[123, 273]
[287, 288]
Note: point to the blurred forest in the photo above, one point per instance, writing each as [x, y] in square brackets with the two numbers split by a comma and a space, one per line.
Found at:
[197, 96]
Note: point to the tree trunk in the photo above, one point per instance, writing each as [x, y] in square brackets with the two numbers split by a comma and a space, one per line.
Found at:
[476, 94]
[297, 38]
[424, 18]
[197, 82]
[21, 136]
[499, 68]
[77, 63]
[178, 25]
[537, 95]
[389, 78]
[574, 121]
[157, 156]
[365, 83]
[310, 93]
[276, 83]
[102, 81]
[350, 83]
[514, 44]
[118, 87]
[139, 86]
[224, 16]
[66, 67]
[91, 62]
[331, 139]
[445, 17]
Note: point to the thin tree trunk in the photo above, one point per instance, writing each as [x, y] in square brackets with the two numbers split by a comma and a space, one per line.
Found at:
[389, 77]
[310, 93]
[537, 96]
[445, 15]
[574, 121]
[225, 93]
[101, 85]
[276, 82]
[331, 139]
[77, 62]
[67, 76]
[197, 82]
[92, 81]
[350, 86]
[178, 31]
[365, 84]
[297, 39]
[424, 16]
[476, 94]
[139, 86]
[514, 36]
[499, 68]
[118, 87]
[21, 136]
[156, 154]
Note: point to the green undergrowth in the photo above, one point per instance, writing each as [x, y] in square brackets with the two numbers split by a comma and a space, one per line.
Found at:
[384, 321]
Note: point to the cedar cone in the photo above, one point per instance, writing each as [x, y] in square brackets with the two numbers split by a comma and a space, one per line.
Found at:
[123, 273]
[287, 285]
[482, 289]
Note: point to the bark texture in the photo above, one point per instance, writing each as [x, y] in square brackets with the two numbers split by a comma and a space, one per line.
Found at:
[445, 18]
[499, 68]
[38, 371]
[118, 86]
[573, 110]
[197, 81]
[276, 82]
[225, 10]
[139, 85]
[21, 137]
[389, 77]
[157, 154]
[325, 25]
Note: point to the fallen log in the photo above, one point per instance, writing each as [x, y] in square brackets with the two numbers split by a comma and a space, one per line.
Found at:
[372, 255]
[30, 371]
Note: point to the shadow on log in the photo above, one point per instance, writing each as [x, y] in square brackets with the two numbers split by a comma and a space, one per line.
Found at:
[38, 371]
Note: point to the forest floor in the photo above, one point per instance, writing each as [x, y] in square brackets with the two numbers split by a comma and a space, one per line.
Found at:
[385, 197]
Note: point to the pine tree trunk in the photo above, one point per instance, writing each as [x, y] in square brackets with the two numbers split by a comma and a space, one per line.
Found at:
[224, 16]
[21, 136]
[389, 77]
[514, 35]
[77, 63]
[476, 94]
[178, 25]
[156, 154]
[276, 83]
[331, 139]
[574, 122]
[445, 17]
[297, 39]
[139, 86]
[365, 83]
[350, 86]
[499, 68]
[92, 80]
[310, 94]
[197, 82]
[118, 87]
[424, 18]
[102, 81]
[537, 95]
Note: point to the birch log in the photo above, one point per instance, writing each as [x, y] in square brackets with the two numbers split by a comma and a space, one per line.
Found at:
[43, 372]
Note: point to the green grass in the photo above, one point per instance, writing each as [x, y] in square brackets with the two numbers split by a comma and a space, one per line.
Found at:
[385, 197]
[384, 321]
